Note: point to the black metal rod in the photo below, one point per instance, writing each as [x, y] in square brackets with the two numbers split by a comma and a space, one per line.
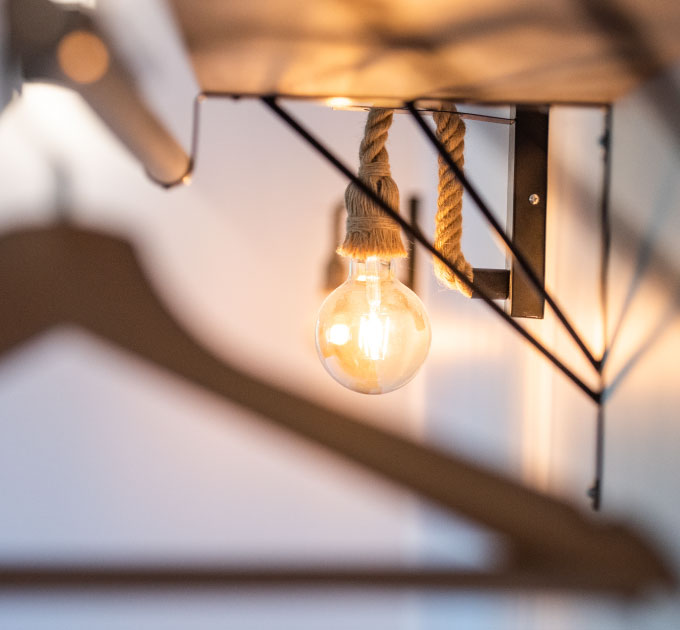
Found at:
[362, 104]
[464, 115]
[596, 490]
[606, 228]
[519, 257]
[415, 232]
[412, 249]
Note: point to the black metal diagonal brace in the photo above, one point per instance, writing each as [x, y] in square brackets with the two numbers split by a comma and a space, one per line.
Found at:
[516, 253]
[415, 232]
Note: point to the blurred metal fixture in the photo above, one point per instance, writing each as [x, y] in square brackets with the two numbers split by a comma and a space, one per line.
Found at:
[413, 210]
[336, 270]
[62, 45]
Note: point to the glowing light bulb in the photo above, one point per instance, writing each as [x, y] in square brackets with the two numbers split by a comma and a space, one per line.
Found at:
[373, 332]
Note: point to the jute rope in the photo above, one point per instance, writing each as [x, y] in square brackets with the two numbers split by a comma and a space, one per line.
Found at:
[369, 231]
[449, 218]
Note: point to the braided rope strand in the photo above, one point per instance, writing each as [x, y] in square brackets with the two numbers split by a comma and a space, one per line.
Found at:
[449, 217]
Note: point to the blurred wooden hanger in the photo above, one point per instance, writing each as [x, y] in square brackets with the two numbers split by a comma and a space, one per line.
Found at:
[66, 275]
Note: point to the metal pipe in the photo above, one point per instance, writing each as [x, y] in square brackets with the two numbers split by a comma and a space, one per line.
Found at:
[62, 45]
[118, 103]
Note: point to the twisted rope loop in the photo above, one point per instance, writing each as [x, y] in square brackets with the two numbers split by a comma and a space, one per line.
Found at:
[369, 231]
[449, 218]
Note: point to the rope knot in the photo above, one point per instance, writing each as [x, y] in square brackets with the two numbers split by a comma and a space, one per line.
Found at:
[373, 170]
[370, 232]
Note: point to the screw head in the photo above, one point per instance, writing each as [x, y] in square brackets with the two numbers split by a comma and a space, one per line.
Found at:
[534, 199]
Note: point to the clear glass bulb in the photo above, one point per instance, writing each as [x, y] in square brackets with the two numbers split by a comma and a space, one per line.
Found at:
[373, 332]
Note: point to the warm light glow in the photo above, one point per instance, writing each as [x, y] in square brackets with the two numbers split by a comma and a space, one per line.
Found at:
[59, 117]
[373, 333]
[338, 102]
[83, 57]
[338, 334]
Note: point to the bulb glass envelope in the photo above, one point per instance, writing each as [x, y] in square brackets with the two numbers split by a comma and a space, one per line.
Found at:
[373, 332]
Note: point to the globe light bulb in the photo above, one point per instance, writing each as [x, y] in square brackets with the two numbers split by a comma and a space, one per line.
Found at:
[373, 332]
